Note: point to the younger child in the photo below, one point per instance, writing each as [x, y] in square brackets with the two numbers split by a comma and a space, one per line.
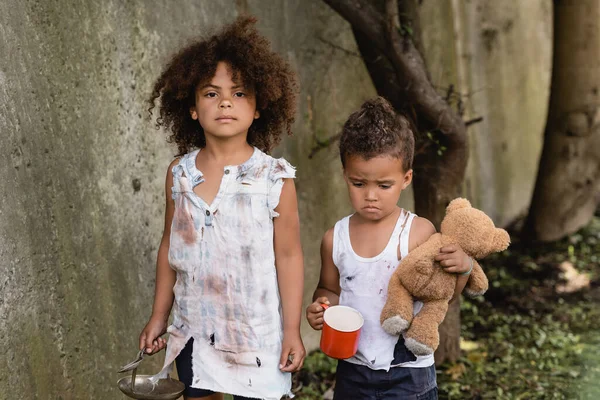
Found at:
[230, 264]
[360, 253]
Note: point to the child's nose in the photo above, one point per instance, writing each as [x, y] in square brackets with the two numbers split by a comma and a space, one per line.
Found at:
[225, 103]
[371, 196]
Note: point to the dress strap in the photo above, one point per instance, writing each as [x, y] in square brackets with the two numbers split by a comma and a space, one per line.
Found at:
[188, 162]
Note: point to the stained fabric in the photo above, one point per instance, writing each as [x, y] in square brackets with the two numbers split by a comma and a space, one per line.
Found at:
[364, 286]
[226, 293]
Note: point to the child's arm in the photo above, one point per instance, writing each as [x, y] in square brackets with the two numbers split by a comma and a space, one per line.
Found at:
[328, 289]
[452, 258]
[289, 263]
[455, 261]
[165, 280]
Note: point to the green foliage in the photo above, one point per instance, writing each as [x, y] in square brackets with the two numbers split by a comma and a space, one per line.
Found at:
[315, 378]
[440, 147]
[525, 341]
[406, 30]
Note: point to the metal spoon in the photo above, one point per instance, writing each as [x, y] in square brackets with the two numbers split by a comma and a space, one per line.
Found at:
[134, 363]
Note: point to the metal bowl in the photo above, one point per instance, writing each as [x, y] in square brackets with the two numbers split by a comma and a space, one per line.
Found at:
[144, 389]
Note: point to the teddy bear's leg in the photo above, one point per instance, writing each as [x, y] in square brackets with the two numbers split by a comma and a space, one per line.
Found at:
[398, 310]
[422, 338]
[478, 283]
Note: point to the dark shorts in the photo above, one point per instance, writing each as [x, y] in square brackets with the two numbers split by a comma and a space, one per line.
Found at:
[358, 382]
[184, 371]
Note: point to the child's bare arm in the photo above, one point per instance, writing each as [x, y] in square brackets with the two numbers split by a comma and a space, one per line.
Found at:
[290, 275]
[455, 261]
[328, 289]
[165, 280]
[420, 230]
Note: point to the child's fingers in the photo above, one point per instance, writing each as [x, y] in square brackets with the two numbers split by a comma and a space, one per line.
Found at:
[315, 308]
[284, 360]
[149, 345]
[293, 364]
[316, 324]
[142, 340]
[443, 256]
[162, 343]
[451, 248]
[321, 300]
[448, 263]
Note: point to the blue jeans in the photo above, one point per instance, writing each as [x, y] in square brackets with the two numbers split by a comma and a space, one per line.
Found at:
[358, 382]
[184, 371]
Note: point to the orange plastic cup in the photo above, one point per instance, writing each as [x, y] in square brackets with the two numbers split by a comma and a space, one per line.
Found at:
[341, 331]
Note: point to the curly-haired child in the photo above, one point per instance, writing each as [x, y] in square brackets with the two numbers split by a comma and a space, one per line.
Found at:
[230, 264]
[360, 253]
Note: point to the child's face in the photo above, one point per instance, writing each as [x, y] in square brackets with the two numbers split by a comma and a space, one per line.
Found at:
[224, 108]
[375, 185]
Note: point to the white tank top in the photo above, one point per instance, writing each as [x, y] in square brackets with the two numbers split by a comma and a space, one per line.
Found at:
[364, 286]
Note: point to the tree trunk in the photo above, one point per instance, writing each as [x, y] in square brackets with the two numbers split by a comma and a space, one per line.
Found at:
[388, 36]
[567, 190]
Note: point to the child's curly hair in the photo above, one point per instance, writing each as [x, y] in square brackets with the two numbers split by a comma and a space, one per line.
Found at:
[376, 129]
[250, 57]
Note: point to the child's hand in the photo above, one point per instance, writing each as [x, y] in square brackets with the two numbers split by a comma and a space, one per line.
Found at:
[314, 313]
[453, 259]
[150, 339]
[292, 352]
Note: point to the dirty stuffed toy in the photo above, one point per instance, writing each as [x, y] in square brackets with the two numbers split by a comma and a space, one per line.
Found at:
[420, 277]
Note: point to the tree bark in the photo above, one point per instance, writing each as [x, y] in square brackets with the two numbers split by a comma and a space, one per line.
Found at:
[567, 190]
[388, 36]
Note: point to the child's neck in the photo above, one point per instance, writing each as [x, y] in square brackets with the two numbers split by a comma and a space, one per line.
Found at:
[226, 152]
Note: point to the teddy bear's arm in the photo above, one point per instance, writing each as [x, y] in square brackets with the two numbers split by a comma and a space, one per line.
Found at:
[478, 282]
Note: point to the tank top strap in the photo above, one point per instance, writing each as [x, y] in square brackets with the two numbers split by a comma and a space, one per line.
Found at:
[391, 249]
[404, 234]
[340, 233]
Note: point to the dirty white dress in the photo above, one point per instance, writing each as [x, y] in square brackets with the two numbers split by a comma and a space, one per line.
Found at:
[226, 293]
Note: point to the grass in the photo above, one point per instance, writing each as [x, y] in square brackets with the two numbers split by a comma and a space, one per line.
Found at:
[522, 340]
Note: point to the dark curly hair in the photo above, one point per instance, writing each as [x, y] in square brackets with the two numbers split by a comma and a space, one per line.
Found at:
[376, 129]
[251, 60]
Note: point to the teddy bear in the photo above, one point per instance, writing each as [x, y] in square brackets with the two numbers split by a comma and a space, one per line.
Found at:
[420, 277]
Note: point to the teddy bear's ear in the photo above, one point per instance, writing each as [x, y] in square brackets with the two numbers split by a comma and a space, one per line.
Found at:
[501, 240]
[457, 204]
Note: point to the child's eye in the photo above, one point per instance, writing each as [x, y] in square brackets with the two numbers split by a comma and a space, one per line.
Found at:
[357, 184]
[240, 94]
[385, 186]
[211, 95]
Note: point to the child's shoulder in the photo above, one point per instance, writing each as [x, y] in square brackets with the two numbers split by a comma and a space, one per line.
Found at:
[420, 230]
[278, 168]
[329, 233]
[175, 162]
[328, 236]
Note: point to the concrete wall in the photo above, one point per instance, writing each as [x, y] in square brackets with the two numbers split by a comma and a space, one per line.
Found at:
[498, 56]
[81, 194]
